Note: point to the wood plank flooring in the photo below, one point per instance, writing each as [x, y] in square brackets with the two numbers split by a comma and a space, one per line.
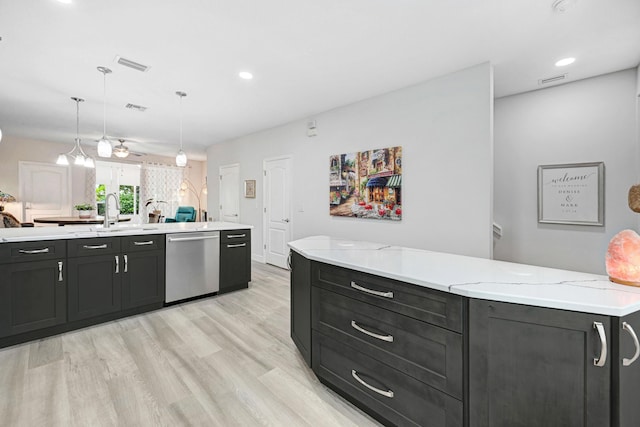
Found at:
[222, 361]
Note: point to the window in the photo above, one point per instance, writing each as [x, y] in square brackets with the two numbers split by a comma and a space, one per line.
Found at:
[122, 179]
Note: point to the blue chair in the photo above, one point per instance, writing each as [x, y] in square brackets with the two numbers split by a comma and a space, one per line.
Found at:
[184, 214]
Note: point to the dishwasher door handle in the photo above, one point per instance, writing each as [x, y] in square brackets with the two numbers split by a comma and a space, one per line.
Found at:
[190, 239]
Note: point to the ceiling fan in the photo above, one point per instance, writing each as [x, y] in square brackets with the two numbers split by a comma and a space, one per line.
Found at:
[122, 151]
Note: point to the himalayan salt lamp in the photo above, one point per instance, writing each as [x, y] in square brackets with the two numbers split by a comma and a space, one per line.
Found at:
[623, 258]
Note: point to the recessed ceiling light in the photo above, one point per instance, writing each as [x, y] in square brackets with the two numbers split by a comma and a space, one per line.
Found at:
[65, 1]
[565, 61]
[245, 75]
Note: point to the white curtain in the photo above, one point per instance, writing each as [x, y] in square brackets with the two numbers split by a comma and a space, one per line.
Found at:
[90, 186]
[160, 183]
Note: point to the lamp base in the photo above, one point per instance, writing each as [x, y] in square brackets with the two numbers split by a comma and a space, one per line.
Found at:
[624, 282]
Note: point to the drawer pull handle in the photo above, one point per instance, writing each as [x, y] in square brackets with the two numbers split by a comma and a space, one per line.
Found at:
[126, 263]
[235, 236]
[150, 242]
[627, 327]
[104, 246]
[600, 361]
[389, 294]
[387, 338]
[34, 251]
[388, 393]
[239, 245]
[59, 271]
[117, 264]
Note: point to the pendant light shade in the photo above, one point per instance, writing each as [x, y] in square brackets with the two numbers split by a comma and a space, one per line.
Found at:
[77, 154]
[181, 157]
[104, 145]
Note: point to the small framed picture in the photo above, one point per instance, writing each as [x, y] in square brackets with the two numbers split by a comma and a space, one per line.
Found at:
[250, 188]
[571, 194]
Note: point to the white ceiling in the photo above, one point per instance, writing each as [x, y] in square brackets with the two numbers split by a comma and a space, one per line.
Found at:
[307, 57]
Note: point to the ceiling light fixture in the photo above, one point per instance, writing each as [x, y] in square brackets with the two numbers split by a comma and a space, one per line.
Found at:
[565, 61]
[80, 158]
[181, 157]
[121, 150]
[245, 75]
[65, 1]
[104, 145]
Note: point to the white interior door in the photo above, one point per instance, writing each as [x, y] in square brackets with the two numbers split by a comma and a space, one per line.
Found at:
[45, 189]
[230, 193]
[277, 210]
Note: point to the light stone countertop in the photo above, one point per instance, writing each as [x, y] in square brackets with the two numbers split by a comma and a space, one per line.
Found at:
[477, 277]
[28, 234]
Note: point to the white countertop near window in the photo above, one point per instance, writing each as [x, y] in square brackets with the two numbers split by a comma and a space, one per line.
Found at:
[477, 277]
[29, 234]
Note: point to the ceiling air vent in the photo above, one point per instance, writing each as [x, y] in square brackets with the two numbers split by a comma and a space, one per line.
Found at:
[552, 79]
[132, 64]
[136, 107]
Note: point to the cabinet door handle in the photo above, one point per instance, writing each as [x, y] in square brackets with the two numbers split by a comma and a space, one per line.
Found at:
[34, 251]
[385, 393]
[600, 361]
[150, 242]
[126, 263]
[104, 246]
[117, 264]
[387, 338]
[239, 245]
[388, 294]
[235, 236]
[627, 327]
[59, 271]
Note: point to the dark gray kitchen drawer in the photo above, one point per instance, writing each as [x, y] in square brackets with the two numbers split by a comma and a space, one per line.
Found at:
[426, 352]
[230, 236]
[413, 403]
[435, 307]
[32, 251]
[147, 242]
[93, 246]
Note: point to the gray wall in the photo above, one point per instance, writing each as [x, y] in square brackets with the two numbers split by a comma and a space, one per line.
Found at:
[445, 128]
[586, 121]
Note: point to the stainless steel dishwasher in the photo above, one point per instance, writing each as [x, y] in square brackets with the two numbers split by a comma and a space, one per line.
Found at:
[193, 264]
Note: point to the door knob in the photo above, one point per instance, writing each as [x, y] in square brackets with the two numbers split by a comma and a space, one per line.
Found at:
[286, 220]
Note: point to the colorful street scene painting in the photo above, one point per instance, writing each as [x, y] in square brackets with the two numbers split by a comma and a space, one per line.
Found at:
[367, 184]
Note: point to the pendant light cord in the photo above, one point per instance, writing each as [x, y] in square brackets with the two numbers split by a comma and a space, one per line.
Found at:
[104, 104]
[77, 119]
[181, 122]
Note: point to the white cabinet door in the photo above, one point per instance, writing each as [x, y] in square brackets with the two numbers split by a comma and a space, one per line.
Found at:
[45, 190]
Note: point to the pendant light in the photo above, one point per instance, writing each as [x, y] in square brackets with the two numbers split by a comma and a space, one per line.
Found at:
[181, 157]
[104, 145]
[121, 150]
[77, 154]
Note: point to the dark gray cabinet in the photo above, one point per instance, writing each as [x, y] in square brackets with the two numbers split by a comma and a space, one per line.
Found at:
[33, 284]
[143, 275]
[95, 285]
[532, 366]
[235, 260]
[301, 304]
[108, 275]
[393, 349]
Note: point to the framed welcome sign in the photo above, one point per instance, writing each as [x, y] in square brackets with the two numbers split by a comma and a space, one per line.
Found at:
[571, 194]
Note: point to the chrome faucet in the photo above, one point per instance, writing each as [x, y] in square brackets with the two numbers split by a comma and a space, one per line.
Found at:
[106, 209]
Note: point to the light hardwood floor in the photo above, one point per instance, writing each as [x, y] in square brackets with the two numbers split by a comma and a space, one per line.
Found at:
[221, 361]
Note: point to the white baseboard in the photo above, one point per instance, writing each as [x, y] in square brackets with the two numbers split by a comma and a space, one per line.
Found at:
[257, 258]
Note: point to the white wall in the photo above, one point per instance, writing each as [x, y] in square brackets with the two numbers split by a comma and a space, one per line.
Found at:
[590, 120]
[445, 128]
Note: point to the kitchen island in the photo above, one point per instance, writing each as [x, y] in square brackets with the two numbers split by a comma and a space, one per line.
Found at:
[56, 279]
[415, 337]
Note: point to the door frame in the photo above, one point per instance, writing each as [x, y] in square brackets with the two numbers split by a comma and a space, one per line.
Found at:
[264, 201]
[230, 165]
